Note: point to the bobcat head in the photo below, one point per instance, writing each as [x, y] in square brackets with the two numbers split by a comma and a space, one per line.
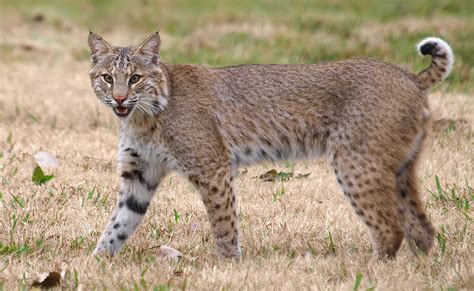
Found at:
[128, 79]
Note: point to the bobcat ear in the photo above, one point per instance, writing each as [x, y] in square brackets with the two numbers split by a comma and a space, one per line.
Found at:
[98, 47]
[150, 47]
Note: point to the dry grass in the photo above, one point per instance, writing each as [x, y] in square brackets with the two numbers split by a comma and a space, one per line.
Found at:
[306, 238]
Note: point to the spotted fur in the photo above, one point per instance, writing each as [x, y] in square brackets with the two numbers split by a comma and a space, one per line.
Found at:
[366, 117]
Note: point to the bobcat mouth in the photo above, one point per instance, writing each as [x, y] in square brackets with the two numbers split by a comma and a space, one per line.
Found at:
[122, 111]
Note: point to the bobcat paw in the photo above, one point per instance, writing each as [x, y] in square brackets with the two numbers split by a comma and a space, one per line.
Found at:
[105, 248]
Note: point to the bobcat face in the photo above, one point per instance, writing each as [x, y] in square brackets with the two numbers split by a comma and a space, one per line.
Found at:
[125, 78]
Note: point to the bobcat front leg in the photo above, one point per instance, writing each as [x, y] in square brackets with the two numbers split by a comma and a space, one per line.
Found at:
[139, 180]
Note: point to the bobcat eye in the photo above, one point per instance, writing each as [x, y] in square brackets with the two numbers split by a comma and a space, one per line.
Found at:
[135, 78]
[108, 78]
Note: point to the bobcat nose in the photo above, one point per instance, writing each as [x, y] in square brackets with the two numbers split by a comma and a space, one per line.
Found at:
[120, 99]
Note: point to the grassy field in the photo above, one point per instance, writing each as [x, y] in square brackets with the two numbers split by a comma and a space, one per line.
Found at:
[296, 234]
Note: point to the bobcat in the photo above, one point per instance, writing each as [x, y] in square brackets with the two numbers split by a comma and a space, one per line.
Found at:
[367, 117]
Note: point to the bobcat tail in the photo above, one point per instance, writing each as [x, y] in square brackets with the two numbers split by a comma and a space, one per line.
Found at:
[441, 65]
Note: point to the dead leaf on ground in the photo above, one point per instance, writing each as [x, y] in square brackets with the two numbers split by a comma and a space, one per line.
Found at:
[268, 176]
[273, 175]
[48, 280]
[38, 18]
[301, 176]
[46, 160]
[167, 253]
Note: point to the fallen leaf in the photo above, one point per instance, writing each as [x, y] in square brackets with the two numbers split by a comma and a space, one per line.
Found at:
[48, 280]
[167, 253]
[46, 160]
[269, 176]
[38, 17]
[26, 46]
[178, 273]
[273, 175]
[301, 176]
